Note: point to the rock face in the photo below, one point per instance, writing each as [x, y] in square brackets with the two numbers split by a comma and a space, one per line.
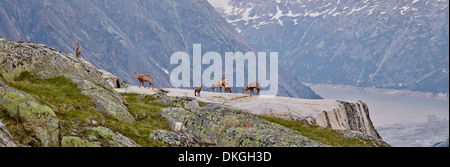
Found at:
[349, 116]
[226, 126]
[112, 139]
[36, 118]
[5, 137]
[46, 62]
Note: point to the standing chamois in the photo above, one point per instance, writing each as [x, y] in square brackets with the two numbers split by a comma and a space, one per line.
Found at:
[221, 83]
[144, 78]
[78, 51]
[197, 91]
[251, 87]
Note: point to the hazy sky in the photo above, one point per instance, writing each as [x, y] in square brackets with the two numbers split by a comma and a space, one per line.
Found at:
[218, 3]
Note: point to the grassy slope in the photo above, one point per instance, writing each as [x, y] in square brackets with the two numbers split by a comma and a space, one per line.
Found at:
[76, 111]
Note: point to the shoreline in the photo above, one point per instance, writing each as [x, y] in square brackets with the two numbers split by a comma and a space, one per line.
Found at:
[381, 91]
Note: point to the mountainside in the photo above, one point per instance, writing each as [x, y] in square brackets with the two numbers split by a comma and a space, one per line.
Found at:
[49, 98]
[372, 43]
[124, 37]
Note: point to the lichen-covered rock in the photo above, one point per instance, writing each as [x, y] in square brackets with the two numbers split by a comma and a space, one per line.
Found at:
[176, 139]
[111, 138]
[71, 141]
[109, 103]
[41, 121]
[46, 62]
[113, 81]
[10, 99]
[36, 118]
[185, 102]
[6, 140]
[226, 126]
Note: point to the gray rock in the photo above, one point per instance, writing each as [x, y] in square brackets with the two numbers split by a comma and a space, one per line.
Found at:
[109, 103]
[176, 139]
[111, 138]
[226, 126]
[35, 117]
[6, 140]
[71, 141]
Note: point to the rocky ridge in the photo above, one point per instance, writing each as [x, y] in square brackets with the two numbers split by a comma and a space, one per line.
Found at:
[192, 124]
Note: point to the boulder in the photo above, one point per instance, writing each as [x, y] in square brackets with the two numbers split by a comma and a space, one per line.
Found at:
[38, 119]
[176, 139]
[71, 141]
[108, 102]
[110, 138]
[112, 80]
[6, 140]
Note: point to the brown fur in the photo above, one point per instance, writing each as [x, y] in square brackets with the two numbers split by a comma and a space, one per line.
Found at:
[78, 51]
[220, 83]
[144, 78]
[228, 89]
[197, 91]
[251, 87]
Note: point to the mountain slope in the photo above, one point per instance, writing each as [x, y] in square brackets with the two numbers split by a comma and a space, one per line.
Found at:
[129, 36]
[49, 98]
[383, 44]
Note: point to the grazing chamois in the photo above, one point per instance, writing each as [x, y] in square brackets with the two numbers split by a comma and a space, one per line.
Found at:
[144, 78]
[251, 87]
[220, 83]
[78, 51]
[197, 91]
[228, 89]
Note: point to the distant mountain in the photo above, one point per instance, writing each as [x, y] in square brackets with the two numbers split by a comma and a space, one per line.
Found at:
[373, 43]
[126, 36]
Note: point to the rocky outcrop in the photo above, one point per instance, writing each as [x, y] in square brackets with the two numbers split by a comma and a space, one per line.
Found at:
[108, 102]
[113, 81]
[6, 140]
[348, 116]
[46, 62]
[176, 139]
[329, 113]
[71, 141]
[226, 126]
[110, 138]
[36, 118]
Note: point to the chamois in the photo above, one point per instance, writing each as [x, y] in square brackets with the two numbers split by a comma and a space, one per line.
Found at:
[251, 87]
[228, 89]
[78, 51]
[221, 83]
[144, 78]
[197, 91]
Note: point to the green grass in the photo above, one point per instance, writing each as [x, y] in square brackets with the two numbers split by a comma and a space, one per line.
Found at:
[320, 134]
[76, 111]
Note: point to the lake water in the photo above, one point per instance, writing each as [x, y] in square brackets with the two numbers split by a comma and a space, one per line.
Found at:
[402, 121]
[392, 109]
